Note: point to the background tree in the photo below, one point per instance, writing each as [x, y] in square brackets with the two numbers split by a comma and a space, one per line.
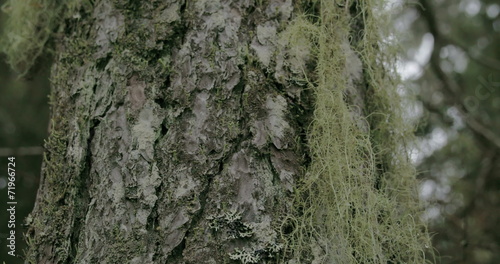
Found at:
[219, 131]
[458, 100]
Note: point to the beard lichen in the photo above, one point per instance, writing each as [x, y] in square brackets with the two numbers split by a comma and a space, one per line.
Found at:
[357, 202]
[28, 28]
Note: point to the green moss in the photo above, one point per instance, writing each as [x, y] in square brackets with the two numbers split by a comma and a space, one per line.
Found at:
[53, 204]
[124, 246]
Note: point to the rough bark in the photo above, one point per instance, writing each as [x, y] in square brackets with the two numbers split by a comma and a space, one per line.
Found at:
[177, 134]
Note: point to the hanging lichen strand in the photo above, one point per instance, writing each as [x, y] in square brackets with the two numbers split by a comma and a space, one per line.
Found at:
[29, 26]
[358, 202]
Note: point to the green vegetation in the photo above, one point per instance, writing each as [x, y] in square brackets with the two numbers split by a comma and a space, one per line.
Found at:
[30, 25]
[358, 200]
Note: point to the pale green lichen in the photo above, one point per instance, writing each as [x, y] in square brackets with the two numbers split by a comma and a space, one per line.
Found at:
[267, 254]
[29, 26]
[232, 223]
[357, 202]
[245, 257]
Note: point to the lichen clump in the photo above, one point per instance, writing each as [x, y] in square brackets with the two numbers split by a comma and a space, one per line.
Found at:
[28, 27]
[357, 202]
[232, 221]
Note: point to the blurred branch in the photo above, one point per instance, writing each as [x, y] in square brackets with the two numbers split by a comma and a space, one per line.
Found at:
[479, 59]
[487, 166]
[440, 39]
[22, 151]
[453, 89]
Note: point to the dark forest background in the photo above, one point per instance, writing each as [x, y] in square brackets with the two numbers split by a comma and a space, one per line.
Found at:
[452, 66]
[24, 117]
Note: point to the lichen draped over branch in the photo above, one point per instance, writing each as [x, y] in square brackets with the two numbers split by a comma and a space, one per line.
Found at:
[357, 202]
[29, 26]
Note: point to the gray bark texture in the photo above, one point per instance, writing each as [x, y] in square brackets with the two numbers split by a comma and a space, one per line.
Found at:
[177, 134]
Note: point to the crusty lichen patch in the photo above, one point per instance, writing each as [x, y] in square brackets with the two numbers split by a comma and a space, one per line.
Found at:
[265, 254]
[231, 223]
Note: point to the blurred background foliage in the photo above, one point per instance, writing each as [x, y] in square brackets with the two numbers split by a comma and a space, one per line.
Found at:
[451, 63]
[24, 114]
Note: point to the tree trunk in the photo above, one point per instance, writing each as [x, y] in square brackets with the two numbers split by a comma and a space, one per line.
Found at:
[178, 133]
